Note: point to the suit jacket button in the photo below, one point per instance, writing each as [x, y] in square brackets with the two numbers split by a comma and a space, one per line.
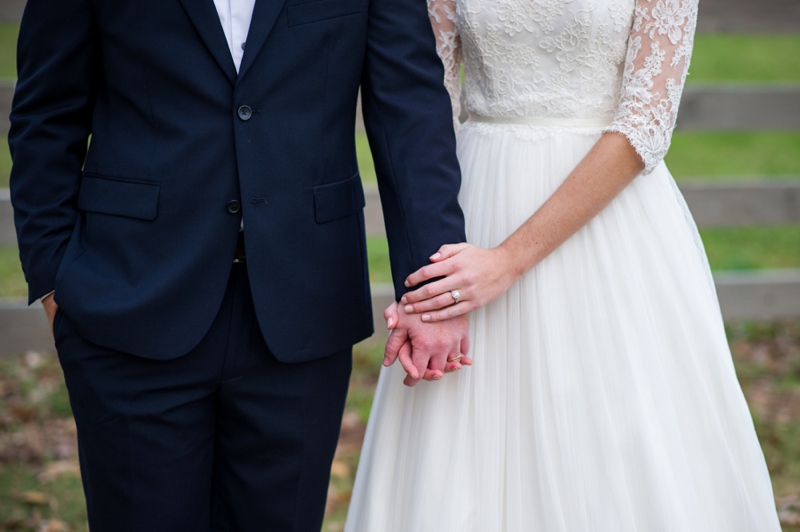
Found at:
[234, 207]
[245, 113]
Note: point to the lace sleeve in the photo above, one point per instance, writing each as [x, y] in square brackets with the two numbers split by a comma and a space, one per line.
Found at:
[448, 46]
[659, 52]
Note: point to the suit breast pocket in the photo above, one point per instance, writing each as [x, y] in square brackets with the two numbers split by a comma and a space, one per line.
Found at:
[320, 10]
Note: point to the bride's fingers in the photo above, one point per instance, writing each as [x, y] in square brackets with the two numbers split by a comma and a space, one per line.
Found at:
[413, 377]
[447, 251]
[436, 367]
[408, 381]
[431, 271]
[448, 313]
[431, 375]
[407, 362]
[428, 291]
[434, 303]
[393, 345]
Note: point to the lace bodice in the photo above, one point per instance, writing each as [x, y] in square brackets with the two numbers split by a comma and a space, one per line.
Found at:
[624, 61]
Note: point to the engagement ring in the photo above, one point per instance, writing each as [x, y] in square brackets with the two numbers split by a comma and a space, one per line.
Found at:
[456, 295]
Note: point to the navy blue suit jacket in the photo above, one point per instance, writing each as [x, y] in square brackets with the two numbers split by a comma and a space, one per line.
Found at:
[136, 235]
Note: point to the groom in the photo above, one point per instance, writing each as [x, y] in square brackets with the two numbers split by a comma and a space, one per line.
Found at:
[203, 262]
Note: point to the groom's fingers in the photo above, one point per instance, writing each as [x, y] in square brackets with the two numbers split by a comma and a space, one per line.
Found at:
[455, 361]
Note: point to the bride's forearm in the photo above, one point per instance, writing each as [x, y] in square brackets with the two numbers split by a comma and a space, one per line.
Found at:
[605, 171]
[475, 276]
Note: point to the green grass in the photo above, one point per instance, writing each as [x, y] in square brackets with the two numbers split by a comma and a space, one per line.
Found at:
[692, 155]
[745, 59]
[8, 47]
[743, 155]
[64, 495]
[12, 281]
[716, 58]
[5, 162]
[752, 248]
[365, 165]
[378, 255]
[728, 249]
[748, 248]
[734, 154]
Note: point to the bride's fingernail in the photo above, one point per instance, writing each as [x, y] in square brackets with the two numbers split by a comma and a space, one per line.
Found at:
[436, 255]
[404, 300]
[390, 322]
[409, 309]
[407, 284]
[426, 317]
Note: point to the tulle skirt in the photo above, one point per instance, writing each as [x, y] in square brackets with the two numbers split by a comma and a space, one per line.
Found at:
[602, 397]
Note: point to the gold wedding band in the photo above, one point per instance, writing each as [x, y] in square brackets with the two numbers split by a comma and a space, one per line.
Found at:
[456, 359]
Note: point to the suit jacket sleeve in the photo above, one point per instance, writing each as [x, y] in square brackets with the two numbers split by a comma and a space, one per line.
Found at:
[58, 72]
[409, 123]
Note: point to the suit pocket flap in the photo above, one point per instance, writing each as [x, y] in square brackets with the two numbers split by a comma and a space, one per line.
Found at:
[338, 200]
[321, 10]
[120, 198]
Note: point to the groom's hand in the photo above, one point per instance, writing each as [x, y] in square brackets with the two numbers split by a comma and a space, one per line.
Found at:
[423, 348]
[50, 308]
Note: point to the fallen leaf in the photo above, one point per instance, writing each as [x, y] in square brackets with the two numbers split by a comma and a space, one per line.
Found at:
[340, 469]
[53, 470]
[34, 498]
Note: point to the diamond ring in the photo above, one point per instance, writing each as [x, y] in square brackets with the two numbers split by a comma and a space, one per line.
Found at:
[456, 295]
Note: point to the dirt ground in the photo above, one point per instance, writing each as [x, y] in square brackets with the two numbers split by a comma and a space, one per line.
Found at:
[40, 487]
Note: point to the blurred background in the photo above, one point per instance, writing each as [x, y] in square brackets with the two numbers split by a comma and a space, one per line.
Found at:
[736, 157]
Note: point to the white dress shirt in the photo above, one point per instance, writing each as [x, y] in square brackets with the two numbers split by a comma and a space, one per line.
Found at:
[235, 17]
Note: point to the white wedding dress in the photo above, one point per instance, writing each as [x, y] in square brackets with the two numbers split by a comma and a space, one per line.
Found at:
[603, 396]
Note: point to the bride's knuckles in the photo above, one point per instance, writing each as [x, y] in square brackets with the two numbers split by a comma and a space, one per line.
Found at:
[435, 303]
[448, 313]
[426, 273]
[448, 250]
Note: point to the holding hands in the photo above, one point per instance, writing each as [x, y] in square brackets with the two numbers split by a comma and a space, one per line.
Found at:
[425, 350]
[430, 319]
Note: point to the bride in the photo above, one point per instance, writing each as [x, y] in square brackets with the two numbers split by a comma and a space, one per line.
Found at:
[602, 396]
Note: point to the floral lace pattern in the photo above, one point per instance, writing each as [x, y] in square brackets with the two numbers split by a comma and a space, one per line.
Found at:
[448, 45]
[624, 61]
[655, 72]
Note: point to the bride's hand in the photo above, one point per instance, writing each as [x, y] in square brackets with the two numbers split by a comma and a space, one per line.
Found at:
[479, 275]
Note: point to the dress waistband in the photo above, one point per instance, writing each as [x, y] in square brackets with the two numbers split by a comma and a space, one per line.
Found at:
[544, 122]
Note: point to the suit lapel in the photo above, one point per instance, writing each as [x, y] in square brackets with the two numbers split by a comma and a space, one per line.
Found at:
[204, 16]
[265, 14]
